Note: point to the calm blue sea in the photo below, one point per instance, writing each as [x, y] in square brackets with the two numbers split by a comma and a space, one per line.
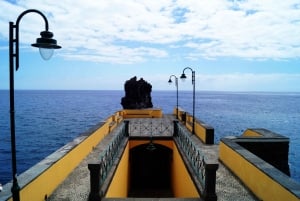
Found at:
[47, 120]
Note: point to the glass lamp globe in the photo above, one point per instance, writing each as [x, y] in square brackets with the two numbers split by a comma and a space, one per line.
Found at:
[46, 53]
[46, 44]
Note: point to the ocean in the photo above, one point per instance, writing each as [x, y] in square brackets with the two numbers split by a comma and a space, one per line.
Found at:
[48, 119]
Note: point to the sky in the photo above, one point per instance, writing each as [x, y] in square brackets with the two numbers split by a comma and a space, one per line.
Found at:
[232, 45]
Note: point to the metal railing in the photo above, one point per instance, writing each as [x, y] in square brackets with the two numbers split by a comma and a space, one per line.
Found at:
[203, 171]
[100, 170]
[193, 153]
[150, 127]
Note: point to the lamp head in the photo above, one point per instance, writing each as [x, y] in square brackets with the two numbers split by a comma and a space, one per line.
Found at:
[183, 76]
[170, 81]
[46, 44]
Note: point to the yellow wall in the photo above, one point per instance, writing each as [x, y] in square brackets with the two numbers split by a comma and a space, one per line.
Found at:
[264, 187]
[142, 113]
[166, 143]
[183, 186]
[47, 181]
[175, 112]
[156, 113]
[119, 186]
[182, 183]
[251, 133]
[200, 130]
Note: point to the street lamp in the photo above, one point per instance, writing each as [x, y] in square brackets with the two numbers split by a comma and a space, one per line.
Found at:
[183, 77]
[46, 45]
[176, 84]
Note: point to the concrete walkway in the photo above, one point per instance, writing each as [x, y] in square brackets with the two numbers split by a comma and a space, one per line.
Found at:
[77, 186]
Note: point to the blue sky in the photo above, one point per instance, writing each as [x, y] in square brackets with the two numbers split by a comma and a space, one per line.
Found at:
[232, 45]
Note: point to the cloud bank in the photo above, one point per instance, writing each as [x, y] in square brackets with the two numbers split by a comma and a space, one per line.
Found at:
[126, 32]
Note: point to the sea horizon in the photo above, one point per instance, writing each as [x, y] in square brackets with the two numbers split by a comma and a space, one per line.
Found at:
[197, 90]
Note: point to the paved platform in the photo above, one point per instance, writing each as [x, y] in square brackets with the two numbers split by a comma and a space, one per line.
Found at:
[76, 186]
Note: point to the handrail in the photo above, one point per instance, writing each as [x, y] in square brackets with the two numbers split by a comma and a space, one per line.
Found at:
[203, 170]
[193, 153]
[100, 170]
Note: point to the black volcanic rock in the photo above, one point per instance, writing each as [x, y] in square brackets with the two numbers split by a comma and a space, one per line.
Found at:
[137, 94]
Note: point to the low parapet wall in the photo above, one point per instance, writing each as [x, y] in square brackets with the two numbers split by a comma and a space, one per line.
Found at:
[142, 113]
[263, 179]
[204, 131]
[38, 182]
[269, 146]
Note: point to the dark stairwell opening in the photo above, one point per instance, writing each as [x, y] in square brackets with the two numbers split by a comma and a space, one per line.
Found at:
[150, 171]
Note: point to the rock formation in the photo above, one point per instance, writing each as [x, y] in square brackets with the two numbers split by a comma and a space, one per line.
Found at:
[137, 94]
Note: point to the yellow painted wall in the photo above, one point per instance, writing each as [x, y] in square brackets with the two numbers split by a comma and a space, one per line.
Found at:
[175, 111]
[142, 113]
[251, 133]
[156, 113]
[166, 143]
[182, 183]
[264, 187]
[183, 186]
[188, 124]
[119, 186]
[48, 180]
[200, 130]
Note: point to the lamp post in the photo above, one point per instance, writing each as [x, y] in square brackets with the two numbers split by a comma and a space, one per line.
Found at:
[176, 84]
[44, 43]
[183, 77]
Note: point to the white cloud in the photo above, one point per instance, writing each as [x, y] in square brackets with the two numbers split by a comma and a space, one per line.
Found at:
[111, 54]
[249, 82]
[119, 31]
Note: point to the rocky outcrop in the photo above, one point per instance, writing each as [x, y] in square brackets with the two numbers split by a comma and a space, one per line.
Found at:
[137, 94]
